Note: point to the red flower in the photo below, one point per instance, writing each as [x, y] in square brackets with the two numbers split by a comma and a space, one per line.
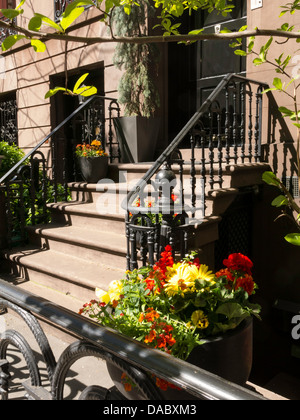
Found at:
[225, 272]
[239, 262]
[165, 261]
[246, 282]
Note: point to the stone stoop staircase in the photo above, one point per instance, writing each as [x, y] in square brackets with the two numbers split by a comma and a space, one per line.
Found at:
[82, 249]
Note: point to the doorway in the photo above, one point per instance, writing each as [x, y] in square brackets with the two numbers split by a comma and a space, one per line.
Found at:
[202, 65]
[64, 105]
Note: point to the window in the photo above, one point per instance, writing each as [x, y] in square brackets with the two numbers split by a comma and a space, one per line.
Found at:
[8, 118]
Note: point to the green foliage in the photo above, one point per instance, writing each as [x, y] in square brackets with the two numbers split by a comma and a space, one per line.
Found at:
[79, 89]
[288, 205]
[137, 88]
[12, 155]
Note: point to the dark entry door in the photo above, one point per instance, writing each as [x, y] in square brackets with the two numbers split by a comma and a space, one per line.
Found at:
[194, 71]
[215, 59]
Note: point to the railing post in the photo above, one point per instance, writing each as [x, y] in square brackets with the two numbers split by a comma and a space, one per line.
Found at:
[3, 223]
[166, 181]
[4, 377]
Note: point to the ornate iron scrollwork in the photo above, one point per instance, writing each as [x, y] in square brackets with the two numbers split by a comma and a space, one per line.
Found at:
[57, 372]
[8, 121]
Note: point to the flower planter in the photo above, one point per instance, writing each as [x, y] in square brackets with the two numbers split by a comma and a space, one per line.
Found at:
[137, 137]
[228, 356]
[93, 168]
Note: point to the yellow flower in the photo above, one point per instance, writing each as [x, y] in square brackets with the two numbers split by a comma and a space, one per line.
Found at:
[96, 143]
[102, 295]
[199, 319]
[181, 277]
[115, 290]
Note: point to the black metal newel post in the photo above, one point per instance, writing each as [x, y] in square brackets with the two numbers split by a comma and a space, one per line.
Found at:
[166, 181]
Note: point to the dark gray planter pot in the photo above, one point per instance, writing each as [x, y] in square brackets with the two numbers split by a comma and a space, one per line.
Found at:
[93, 168]
[137, 137]
[228, 356]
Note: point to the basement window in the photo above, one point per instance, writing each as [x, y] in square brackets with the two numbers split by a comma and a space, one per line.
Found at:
[292, 185]
[8, 118]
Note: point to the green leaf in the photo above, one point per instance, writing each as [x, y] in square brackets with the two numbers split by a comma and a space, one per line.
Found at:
[68, 19]
[11, 13]
[293, 238]
[10, 41]
[240, 52]
[271, 179]
[277, 83]
[280, 201]
[196, 31]
[52, 92]
[231, 310]
[20, 4]
[38, 45]
[286, 112]
[35, 24]
[49, 22]
[258, 61]
[87, 91]
[79, 82]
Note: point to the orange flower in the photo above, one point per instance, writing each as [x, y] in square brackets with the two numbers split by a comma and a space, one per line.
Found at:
[150, 337]
[151, 315]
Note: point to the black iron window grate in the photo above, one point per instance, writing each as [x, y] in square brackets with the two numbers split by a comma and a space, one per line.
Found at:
[292, 185]
[235, 230]
[8, 119]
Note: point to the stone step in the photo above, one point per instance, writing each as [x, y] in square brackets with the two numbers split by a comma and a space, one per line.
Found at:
[68, 274]
[88, 215]
[88, 244]
[234, 176]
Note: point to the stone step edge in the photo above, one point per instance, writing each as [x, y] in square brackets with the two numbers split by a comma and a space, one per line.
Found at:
[73, 273]
[66, 234]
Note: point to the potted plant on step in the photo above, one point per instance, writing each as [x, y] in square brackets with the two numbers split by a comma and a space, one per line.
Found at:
[138, 129]
[92, 161]
[186, 310]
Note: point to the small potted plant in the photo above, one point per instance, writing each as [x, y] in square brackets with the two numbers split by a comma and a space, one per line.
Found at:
[186, 310]
[92, 160]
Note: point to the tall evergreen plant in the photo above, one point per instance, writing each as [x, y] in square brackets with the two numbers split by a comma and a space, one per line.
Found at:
[137, 88]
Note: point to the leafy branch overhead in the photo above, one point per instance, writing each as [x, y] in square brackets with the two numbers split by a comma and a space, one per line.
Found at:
[168, 12]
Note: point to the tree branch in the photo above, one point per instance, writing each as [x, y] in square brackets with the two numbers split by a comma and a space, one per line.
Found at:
[66, 37]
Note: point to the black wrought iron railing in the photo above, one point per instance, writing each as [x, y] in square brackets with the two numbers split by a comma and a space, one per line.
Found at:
[225, 131]
[42, 175]
[136, 360]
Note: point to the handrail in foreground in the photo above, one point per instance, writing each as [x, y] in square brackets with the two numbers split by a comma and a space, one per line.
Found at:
[194, 380]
